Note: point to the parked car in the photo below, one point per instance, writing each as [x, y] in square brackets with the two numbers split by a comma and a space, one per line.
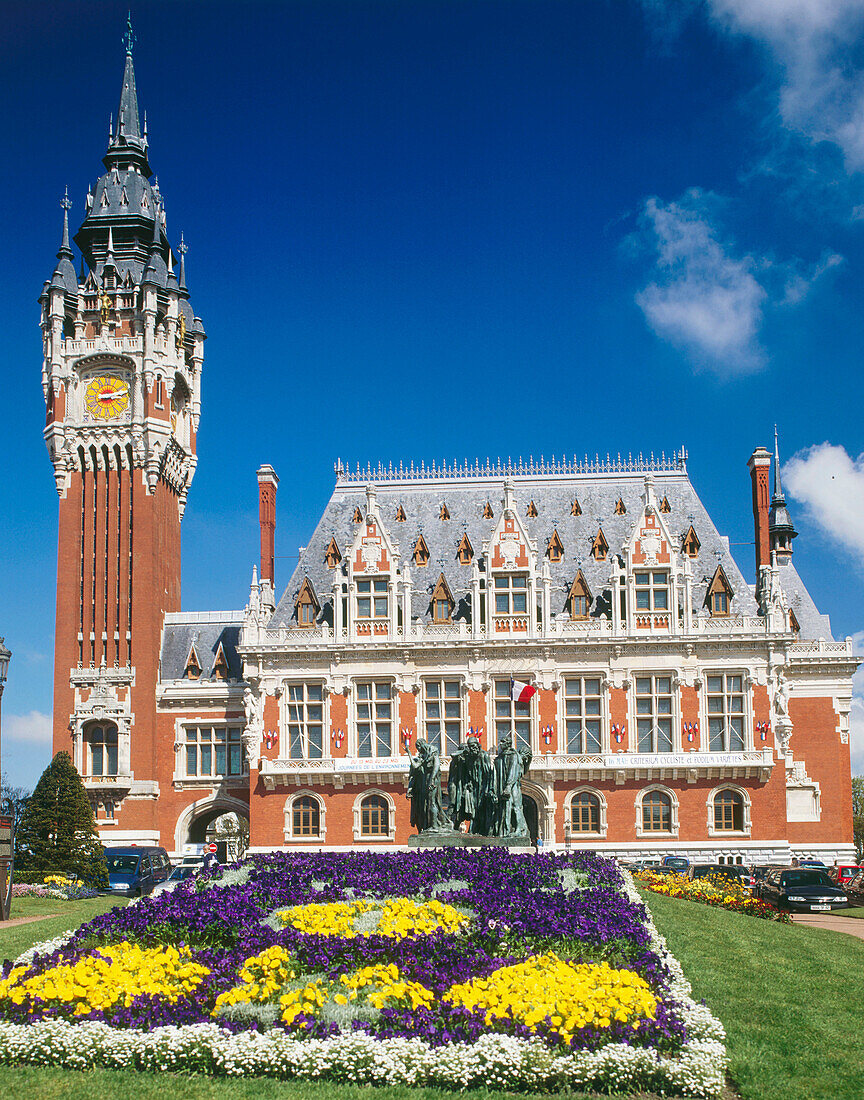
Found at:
[802, 890]
[735, 871]
[676, 863]
[810, 863]
[758, 871]
[133, 872]
[178, 874]
[854, 890]
[841, 874]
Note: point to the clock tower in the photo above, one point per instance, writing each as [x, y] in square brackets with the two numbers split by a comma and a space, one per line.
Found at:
[121, 375]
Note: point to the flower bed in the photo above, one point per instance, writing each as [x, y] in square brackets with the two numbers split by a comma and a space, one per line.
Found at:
[449, 968]
[722, 892]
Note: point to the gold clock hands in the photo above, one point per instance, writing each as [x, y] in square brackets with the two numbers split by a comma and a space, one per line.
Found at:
[110, 395]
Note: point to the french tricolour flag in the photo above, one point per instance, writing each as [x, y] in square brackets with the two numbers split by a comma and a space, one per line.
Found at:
[521, 693]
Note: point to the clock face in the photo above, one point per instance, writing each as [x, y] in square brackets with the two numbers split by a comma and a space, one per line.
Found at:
[106, 396]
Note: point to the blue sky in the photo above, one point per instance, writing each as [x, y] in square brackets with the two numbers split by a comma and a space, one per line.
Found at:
[432, 230]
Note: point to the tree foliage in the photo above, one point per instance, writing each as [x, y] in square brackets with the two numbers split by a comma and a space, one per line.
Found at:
[57, 830]
[12, 798]
[858, 813]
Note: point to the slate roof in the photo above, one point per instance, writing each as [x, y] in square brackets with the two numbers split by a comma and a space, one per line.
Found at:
[553, 496]
[813, 624]
[178, 637]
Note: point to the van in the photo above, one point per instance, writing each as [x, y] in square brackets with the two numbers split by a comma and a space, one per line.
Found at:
[133, 872]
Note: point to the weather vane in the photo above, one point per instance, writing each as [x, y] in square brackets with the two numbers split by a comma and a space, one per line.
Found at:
[129, 38]
[66, 202]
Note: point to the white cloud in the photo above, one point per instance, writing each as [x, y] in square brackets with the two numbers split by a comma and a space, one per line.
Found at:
[814, 44]
[830, 483]
[799, 280]
[34, 727]
[703, 299]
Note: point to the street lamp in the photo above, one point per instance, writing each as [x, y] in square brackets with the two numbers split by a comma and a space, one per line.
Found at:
[5, 657]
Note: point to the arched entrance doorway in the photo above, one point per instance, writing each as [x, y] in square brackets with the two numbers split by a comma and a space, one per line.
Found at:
[223, 821]
[532, 817]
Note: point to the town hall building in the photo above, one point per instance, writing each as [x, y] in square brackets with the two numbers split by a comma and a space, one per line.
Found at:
[673, 704]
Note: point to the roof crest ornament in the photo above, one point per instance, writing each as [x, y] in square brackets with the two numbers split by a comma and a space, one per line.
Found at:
[128, 38]
[674, 463]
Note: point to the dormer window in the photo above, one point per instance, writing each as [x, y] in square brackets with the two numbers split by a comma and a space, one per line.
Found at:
[531, 510]
[442, 603]
[555, 547]
[465, 551]
[421, 551]
[400, 514]
[620, 508]
[307, 605]
[444, 513]
[718, 598]
[358, 516]
[332, 555]
[487, 511]
[192, 669]
[599, 547]
[511, 594]
[665, 506]
[575, 508]
[652, 591]
[220, 665]
[372, 602]
[579, 597]
[691, 544]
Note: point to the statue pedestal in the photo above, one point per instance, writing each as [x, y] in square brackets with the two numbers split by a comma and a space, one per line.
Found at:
[452, 838]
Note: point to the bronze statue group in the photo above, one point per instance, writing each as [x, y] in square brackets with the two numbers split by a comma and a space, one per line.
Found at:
[484, 792]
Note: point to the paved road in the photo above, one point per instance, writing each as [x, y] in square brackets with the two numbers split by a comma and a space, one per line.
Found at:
[834, 922]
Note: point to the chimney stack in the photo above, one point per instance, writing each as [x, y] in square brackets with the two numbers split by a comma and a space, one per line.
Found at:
[760, 468]
[267, 483]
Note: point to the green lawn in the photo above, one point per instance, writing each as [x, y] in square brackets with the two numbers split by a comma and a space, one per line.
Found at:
[790, 998]
[850, 913]
[69, 914]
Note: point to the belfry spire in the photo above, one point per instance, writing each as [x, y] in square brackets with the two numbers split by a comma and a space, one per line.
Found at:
[780, 528]
[65, 247]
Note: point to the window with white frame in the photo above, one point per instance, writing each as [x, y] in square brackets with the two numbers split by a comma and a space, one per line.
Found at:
[512, 719]
[725, 694]
[214, 751]
[582, 714]
[585, 812]
[305, 816]
[305, 721]
[728, 811]
[372, 602]
[654, 713]
[511, 594]
[374, 816]
[374, 714]
[442, 713]
[652, 591]
[656, 812]
[101, 741]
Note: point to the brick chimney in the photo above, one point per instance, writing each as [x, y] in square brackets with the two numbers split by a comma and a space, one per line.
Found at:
[267, 483]
[760, 469]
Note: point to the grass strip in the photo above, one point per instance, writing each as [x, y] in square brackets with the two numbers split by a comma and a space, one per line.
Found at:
[789, 997]
[15, 939]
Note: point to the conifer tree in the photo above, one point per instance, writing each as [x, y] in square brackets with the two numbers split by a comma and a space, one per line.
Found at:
[57, 830]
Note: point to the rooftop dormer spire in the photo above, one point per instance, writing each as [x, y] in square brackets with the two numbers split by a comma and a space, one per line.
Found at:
[183, 248]
[65, 247]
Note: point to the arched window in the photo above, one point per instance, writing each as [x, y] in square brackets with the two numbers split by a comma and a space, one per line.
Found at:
[728, 812]
[585, 813]
[374, 816]
[656, 812]
[101, 750]
[306, 816]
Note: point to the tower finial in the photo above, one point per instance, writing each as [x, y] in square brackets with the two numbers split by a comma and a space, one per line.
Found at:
[183, 248]
[778, 488]
[129, 38]
[65, 247]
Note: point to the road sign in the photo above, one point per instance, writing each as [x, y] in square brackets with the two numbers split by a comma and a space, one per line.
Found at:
[5, 837]
[212, 848]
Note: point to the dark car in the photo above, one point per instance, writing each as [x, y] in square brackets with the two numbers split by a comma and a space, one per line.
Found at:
[802, 890]
[735, 871]
[759, 870]
[133, 872]
[676, 864]
[178, 874]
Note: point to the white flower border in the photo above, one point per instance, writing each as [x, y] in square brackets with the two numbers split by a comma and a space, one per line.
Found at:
[494, 1061]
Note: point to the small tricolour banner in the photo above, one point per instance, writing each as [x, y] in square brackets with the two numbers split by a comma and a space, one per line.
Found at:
[521, 693]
